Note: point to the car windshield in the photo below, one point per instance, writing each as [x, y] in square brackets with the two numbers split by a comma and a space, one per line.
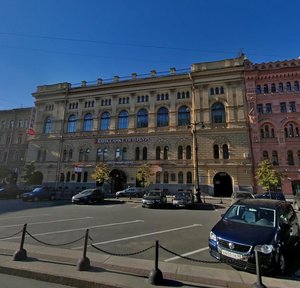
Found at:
[153, 193]
[258, 216]
[183, 194]
[36, 190]
[86, 192]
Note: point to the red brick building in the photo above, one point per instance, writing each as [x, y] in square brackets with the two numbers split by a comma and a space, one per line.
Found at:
[273, 99]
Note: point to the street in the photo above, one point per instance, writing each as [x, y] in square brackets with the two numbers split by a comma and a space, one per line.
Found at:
[125, 229]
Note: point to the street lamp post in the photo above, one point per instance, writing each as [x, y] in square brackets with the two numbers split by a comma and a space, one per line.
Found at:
[195, 142]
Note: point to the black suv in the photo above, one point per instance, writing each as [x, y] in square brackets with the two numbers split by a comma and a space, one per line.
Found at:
[154, 198]
[251, 222]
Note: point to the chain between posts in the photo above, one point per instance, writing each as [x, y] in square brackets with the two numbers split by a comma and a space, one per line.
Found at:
[2, 238]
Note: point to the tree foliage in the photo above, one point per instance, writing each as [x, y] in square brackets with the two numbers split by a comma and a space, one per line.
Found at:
[267, 176]
[143, 175]
[30, 176]
[101, 173]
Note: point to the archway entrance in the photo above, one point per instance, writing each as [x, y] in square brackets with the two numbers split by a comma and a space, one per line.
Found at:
[118, 180]
[222, 185]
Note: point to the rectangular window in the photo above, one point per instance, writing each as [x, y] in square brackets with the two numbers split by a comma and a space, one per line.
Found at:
[260, 109]
[292, 106]
[283, 107]
[268, 108]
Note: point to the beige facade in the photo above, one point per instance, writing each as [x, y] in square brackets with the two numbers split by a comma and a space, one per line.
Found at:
[145, 120]
[14, 125]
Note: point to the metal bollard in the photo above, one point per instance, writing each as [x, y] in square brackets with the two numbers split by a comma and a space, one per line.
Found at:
[21, 254]
[155, 276]
[258, 283]
[83, 264]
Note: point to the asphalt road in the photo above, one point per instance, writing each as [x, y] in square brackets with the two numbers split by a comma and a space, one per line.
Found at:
[119, 228]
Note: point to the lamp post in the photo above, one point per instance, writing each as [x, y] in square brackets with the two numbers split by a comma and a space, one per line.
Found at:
[195, 142]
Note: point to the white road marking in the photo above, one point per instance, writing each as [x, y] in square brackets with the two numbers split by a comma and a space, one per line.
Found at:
[47, 222]
[186, 254]
[144, 235]
[23, 216]
[79, 229]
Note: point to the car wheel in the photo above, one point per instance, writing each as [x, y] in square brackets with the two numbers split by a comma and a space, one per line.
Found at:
[281, 265]
[36, 199]
[52, 197]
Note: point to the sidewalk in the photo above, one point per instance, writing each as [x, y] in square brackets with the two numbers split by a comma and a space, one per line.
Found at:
[60, 266]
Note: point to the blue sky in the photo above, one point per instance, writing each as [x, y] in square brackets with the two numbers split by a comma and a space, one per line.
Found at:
[52, 41]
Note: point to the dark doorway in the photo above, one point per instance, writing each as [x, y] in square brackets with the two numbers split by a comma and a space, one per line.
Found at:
[118, 180]
[222, 185]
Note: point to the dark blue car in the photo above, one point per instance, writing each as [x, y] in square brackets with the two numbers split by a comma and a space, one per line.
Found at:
[250, 222]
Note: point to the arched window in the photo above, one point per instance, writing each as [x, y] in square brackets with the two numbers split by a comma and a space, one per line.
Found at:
[166, 153]
[48, 125]
[266, 88]
[188, 152]
[212, 91]
[183, 116]
[145, 153]
[178, 95]
[85, 176]
[87, 154]
[118, 154]
[64, 158]
[274, 157]
[298, 154]
[180, 177]
[280, 87]
[265, 155]
[166, 177]
[157, 177]
[158, 153]
[162, 117]
[221, 90]
[70, 156]
[258, 89]
[216, 151]
[105, 121]
[71, 126]
[273, 88]
[99, 154]
[290, 157]
[296, 86]
[123, 120]
[288, 87]
[180, 153]
[124, 153]
[137, 153]
[225, 151]
[80, 156]
[142, 118]
[218, 113]
[88, 122]
[189, 177]
[105, 154]
[217, 90]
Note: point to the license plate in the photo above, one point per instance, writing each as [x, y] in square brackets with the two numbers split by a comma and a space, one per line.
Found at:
[231, 254]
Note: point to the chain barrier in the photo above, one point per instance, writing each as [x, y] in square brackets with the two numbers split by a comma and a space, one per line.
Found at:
[189, 258]
[124, 254]
[2, 238]
[50, 244]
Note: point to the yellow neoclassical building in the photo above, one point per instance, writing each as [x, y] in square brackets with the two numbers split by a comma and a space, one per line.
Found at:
[190, 127]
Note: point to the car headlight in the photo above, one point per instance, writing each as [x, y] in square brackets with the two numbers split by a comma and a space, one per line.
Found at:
[212, 236]
[266, 249]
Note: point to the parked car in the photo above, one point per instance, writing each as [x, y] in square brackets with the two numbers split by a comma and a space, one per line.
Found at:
[130, 192]
[297, 201]
[250, 222]
[88, 196]
[154, 199]
[238, 195]
[183, 199]
[10, 192]
[271, 195]
[39, 193]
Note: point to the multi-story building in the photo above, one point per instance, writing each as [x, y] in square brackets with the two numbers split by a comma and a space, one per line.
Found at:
[273, 98]
[14, 125]
[190, 127]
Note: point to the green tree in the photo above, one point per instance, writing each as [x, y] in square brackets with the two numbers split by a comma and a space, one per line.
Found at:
[101, 173]
[143, 175]
[30, 176]
[267, 176]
